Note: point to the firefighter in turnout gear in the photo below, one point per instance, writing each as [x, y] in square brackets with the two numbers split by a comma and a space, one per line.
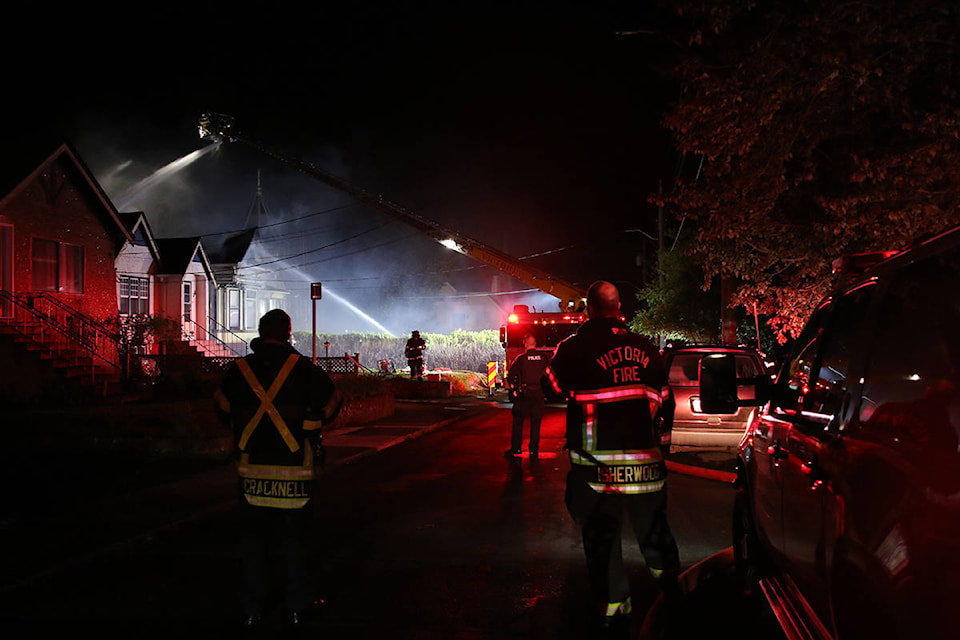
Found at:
[526, 393]
[276, 402]
[413, 352]
[616, 386]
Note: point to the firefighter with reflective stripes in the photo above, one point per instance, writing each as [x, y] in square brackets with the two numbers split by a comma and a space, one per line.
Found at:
[616, 386]
[276, 401]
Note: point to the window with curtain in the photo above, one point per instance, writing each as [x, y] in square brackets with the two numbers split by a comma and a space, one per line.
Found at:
[71, 268]
[44, 272]
[57, 266]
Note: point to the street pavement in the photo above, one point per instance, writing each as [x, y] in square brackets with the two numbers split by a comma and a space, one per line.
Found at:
[86, 526]
[68, 513]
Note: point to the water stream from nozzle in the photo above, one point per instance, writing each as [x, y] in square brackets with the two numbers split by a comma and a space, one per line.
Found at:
[130, 196]
[343, 301]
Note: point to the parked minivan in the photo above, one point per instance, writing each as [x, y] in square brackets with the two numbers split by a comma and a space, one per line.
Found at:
[847, 509]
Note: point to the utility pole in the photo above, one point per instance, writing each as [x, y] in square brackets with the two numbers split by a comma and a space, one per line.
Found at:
[660, 224]
[663, 339]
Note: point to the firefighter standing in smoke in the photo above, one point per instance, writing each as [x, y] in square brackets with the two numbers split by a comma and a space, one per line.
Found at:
[413, 352]
[616, 387]
[526, 391]
[276, 400]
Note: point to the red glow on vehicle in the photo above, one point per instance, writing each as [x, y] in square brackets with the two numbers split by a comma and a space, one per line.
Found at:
[513, 318]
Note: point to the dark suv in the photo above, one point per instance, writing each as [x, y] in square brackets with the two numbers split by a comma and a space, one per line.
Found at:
[847, 511]
[692, 426]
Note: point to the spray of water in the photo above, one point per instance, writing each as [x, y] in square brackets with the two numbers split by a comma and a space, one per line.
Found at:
[346, 303]
[261, 254]
[136, 191]
[132, 194]
[359, 312]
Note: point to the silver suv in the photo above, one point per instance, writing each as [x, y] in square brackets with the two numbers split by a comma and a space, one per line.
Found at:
[692, 426]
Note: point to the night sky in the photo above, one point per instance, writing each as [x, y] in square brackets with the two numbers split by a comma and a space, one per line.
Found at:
[534, 130]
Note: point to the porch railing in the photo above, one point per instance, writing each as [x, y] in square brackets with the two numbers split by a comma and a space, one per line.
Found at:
[230, 340]
[71, 336]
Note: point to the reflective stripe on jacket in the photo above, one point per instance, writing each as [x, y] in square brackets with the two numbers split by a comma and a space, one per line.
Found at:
[618, 471]
[615, 384]
[277, 486]
[278, 402]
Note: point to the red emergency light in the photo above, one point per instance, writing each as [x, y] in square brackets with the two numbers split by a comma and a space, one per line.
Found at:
[513, 318]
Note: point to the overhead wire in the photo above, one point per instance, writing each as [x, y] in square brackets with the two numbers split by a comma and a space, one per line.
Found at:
[314, 250]
[282, 222]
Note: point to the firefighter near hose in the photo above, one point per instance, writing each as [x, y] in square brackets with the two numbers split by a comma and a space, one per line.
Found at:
[276, 402]
[617, 398]
[413, 352]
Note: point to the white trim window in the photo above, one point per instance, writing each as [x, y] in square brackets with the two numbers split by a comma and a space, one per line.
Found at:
[134, 295]
[233, 308]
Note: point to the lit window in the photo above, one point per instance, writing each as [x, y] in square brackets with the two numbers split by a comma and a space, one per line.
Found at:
[233, 308]
[134, 295]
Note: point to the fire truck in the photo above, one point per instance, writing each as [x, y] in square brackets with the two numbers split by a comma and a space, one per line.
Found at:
[549, 327]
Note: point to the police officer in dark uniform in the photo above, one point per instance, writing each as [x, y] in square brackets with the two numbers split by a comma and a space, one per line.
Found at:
[526, 392]
[616, 386]
[276, 401]
[413, 352]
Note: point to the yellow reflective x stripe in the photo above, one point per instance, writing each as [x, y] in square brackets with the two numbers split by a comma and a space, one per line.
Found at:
[619, 608]
[266, 402]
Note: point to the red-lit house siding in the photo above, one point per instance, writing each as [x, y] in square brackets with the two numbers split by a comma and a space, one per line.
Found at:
[58, 203]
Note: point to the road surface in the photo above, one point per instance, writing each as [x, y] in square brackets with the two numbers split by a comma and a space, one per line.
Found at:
[422, 530]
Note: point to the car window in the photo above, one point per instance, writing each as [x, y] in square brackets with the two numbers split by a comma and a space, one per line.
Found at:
[910, 391]
[747, 367]
[793, 382]
[839, 344]
[685, 368]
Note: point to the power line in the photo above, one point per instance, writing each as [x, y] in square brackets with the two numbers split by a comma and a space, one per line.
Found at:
[276, 224]
[304, 253]
[342, 255]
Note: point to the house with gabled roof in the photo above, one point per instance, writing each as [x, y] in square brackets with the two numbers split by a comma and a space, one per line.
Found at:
[244, 291]
[136, 264]
[185, 286]
[59, 238]
[61, 235]
[73, 269]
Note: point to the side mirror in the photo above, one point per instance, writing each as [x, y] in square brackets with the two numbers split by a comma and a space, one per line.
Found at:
[718, 384]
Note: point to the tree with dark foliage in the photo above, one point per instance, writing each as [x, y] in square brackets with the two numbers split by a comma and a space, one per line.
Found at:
[824, 128]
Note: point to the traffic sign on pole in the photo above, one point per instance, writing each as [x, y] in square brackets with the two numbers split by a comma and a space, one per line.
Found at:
[315, 294]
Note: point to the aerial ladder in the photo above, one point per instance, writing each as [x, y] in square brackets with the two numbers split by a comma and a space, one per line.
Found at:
[217, 127]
